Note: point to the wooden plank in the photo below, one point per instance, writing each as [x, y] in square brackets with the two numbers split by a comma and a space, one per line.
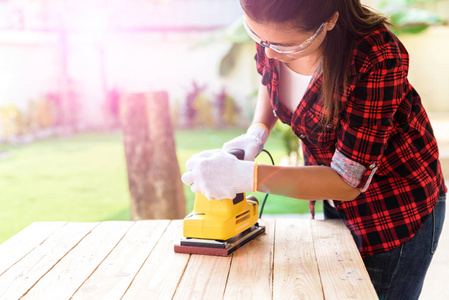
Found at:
[341, 267]
[296, 273]
[161, 272]
[204, 278]
[250, 276]
[115, 274]
[23, 275]
[62, 281]
[13, 249]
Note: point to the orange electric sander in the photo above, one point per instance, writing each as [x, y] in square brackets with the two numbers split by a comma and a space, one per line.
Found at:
[219, 227]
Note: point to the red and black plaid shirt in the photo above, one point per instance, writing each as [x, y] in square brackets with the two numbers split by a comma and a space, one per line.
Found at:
[383, 142]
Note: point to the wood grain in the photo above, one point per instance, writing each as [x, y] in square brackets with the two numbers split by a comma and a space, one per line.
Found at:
[23, 275]
[204, 278]
[341, 267]
[250, 276]
[294, 259]
[296, 273]
[160, 274]
[116, 272]
[62, 281]
[13, 249]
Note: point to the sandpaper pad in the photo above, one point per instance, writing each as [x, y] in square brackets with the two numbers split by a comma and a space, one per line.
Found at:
[219, 248]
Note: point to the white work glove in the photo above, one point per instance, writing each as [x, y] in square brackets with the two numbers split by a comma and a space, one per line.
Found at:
[251, 142]
[218, 174]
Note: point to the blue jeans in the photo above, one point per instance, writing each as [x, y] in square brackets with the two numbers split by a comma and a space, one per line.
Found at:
[399, 274]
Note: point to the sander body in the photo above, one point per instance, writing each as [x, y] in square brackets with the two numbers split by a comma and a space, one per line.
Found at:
[219, 227]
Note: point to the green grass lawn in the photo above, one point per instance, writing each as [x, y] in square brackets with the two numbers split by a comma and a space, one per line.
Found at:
[83, 178]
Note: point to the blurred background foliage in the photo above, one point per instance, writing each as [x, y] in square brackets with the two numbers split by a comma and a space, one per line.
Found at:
[407, 17]
[201, 107]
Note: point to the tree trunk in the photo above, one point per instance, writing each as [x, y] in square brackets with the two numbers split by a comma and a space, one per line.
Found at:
[153, 172]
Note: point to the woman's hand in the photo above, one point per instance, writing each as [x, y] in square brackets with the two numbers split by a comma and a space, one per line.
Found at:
[218, 174]
[252, 142]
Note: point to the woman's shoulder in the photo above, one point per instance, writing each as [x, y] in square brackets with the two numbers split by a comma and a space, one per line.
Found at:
[375, 47]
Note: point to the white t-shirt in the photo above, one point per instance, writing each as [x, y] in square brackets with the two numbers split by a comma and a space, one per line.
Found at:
[292, 87]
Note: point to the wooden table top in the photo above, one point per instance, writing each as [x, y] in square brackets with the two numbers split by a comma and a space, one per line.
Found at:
[294, 259]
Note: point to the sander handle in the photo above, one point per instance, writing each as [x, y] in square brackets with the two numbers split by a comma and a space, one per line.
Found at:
[239, 153]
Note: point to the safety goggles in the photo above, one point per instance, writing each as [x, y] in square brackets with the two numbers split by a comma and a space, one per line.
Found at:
[282, 49]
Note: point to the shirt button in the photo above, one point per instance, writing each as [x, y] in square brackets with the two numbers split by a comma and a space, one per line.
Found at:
[302, 135]
[274, 113]
[372, 166]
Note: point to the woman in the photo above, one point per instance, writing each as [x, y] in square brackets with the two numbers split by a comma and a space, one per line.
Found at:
[333, 71]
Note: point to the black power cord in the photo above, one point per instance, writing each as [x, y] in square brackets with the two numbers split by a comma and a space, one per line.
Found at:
[266, 196]
[271, 157]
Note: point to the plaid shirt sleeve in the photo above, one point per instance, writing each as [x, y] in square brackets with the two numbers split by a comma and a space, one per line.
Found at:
[352, 172]
[371, 101]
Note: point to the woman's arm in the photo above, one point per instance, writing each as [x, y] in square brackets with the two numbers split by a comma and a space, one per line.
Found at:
[307, 183]
[264, 112]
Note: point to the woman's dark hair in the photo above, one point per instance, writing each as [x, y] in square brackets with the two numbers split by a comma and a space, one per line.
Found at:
[354, 20]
